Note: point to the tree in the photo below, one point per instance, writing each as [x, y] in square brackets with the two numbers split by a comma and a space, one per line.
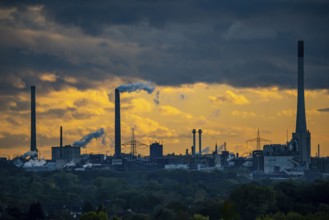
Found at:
[252, 200]
[88, 207]
[94, 216]
[35, 211]
[199, 217]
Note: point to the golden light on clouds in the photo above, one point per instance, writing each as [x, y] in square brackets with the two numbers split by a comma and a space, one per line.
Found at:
[224, 113]
[243, 114]
[230, 97]
[48, 77]
[172, 111]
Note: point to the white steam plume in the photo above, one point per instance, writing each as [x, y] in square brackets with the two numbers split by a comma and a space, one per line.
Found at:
[29, 159]
[86, 139]
[29, 154]
[206, 150]
[136, 86]
[35, 163]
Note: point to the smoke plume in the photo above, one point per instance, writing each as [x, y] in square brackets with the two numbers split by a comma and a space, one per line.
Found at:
[35, 163]
[29, 154]
[157, 98]
[29, 159]
[136, 86]
[206, 150]
[86, 139]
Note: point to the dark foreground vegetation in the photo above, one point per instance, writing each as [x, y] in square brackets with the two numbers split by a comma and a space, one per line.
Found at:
[156, 195]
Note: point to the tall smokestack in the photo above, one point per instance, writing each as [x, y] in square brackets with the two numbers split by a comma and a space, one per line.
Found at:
[301, 117]
[200, 141]
[33, 121]
[318, 150]
[117, 124]
[302, 135]
[61, 141]
[193, 147]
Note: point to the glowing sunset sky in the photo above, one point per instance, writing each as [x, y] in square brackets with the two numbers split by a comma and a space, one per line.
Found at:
[226, 68]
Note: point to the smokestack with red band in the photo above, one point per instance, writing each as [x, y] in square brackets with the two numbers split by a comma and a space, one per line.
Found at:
[117, 124]
[33, 121]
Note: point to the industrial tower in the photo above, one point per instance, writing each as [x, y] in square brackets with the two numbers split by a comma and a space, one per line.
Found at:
[117, 119]
[33, 121]
[302, 135]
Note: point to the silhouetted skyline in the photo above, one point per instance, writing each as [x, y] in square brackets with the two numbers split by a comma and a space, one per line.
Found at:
[234, 63]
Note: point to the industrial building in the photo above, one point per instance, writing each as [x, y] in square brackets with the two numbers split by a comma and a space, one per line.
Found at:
[156, 150]
[68, 153]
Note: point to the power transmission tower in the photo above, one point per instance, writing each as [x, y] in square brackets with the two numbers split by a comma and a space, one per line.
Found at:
[258, 140]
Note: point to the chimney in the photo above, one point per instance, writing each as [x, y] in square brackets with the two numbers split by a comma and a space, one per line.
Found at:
[318, 150]
[302, 135]
[61, 142]
[301, 117]
[200, 141]
[33, 121]
[117, 124]
[193, 147]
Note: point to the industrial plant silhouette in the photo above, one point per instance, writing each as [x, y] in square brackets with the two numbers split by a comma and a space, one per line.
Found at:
[292, 159]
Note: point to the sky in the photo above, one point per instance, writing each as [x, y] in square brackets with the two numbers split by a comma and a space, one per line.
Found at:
[226, 67]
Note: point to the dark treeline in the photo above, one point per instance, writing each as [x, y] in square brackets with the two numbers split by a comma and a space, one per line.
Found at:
[156, 195]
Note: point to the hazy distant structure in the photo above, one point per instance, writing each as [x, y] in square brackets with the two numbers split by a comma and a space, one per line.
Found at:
[318, 150]
[133, 144]
[156, 150]
[33, 121]
[302, 135]
[200, 142]
[117, 118]
[61, 141]
[193, 146]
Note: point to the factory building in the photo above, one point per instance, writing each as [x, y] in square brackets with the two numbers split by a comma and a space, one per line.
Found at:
[156, 151]
[277, 164]
[67, 153]
[258, 160]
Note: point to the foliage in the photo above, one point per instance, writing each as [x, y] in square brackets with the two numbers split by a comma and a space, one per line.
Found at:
[157, 194]
[94, 216]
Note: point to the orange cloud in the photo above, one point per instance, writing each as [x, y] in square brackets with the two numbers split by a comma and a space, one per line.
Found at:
[230, 97]
[244, 114]
[172, 111]
[48, 77]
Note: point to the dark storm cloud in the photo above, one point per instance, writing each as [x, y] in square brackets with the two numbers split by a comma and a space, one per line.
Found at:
[241, 43]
